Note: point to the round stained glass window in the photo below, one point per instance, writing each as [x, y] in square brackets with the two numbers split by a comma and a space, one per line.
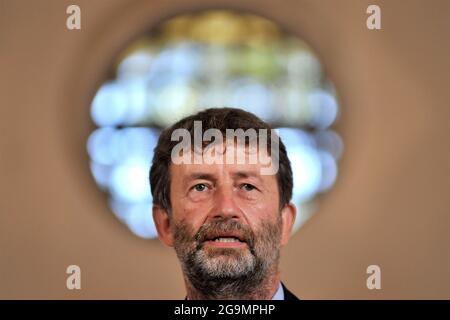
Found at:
[213, 58]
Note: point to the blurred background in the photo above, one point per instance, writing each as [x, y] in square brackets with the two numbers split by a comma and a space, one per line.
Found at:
[364, 114]
[212, 58]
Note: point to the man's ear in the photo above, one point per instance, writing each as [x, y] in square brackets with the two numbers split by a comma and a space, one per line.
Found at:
[288, 214]
[163, 225]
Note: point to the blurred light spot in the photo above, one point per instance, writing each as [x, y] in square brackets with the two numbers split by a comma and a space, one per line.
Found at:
[253, 97]
[305, 161]
[136, 65]
[137, 216]
[331, 142]
[109, 106]
[101, 173]
[174, 102]
[137, 96]
[324, 108]
[140, 220]
[129, 182]
[102, 147]
[136, 144]
[329, 171]
[305, 210]
[293, 137]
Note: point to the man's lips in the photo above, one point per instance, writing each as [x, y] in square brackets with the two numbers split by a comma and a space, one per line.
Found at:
[218, 244]
[217, 235]
[225, 240]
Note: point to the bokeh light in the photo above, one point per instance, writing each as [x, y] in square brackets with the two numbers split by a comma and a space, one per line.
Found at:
[214, 58]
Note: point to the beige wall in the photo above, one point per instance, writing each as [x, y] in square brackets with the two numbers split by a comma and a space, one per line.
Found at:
[390, 206]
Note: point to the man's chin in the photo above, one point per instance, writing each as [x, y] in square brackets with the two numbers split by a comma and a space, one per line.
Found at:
[226, 262]
[223, 268]
[226, 251]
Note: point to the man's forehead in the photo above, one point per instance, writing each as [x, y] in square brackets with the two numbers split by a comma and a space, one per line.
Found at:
[238, 170]
[231, 144]
[229, 156]
[227, 150]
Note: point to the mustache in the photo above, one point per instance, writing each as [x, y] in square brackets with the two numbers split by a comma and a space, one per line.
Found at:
[224, 226]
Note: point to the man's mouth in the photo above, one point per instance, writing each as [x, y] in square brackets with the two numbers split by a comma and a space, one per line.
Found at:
[225, 240]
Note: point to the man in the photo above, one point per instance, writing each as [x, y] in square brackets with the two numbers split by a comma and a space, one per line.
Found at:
[226, 218]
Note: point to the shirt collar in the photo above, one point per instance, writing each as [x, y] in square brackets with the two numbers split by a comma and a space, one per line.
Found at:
[279, 295]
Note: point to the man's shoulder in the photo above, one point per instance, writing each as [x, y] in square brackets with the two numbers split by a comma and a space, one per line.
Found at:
[287, 294]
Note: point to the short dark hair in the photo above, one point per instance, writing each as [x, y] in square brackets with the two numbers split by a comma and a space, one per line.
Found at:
[213, 118]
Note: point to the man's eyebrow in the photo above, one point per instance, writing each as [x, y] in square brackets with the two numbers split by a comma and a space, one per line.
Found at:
[246, 174]
[200, 176]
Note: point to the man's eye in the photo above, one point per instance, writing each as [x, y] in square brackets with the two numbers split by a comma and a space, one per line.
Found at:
[248, 187]
[200, 187]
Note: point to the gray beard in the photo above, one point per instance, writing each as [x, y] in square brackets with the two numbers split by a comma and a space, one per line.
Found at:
[229, 273]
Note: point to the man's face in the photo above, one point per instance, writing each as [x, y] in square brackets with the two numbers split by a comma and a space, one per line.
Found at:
[225, 222]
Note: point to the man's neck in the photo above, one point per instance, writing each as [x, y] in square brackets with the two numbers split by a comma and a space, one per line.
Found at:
[265, 291]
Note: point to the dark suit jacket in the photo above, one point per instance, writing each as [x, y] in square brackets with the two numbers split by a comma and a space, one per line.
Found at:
[287, 294]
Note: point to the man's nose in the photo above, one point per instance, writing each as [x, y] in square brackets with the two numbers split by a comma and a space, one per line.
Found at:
[225, 204]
